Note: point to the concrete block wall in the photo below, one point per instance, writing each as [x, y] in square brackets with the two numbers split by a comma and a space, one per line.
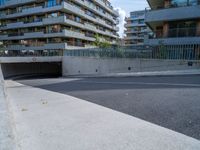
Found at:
[101, 66]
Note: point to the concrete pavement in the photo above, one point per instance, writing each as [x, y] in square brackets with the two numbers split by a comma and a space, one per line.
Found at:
[168, 101]
[148, 73]
[53, 121]
[159, 73]
[6, 132]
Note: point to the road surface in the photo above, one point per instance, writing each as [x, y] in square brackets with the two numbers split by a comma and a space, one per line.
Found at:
[169, 101]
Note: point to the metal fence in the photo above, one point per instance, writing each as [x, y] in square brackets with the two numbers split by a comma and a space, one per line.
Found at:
[175, 52]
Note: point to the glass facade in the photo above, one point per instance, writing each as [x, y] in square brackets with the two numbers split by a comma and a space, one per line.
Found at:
[2, 2]
[51, 3]
[179, 3]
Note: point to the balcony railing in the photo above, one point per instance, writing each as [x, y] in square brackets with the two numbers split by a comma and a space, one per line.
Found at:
[176, 52]
[175, 5]
[176, 33]
[15, 11]
[33, 20]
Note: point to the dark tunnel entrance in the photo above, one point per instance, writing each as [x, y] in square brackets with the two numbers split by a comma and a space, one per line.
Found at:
[25, 70]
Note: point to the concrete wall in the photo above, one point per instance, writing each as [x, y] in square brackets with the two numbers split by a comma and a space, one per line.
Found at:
[6, 132]
[32, 59]
[92, 66]
[20, 69]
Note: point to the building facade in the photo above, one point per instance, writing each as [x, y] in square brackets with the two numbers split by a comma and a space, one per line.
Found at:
[56, 24]
[174, 22]
[136, 29]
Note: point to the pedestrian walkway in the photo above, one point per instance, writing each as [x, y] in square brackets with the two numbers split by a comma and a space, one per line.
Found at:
[6, 135]
[54, 121]
[148, 73]
[160, 73]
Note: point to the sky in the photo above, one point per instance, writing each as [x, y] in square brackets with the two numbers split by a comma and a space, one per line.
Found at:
[125, 7]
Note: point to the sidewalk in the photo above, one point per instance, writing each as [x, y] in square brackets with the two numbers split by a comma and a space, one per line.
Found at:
[6, 135]
[47, 120]
[142, 74]
[160, 73]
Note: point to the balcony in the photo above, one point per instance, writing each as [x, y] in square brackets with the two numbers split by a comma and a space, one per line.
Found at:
[44, 21]
[41, 34]
[90, 27]
[78, 35]
[62, 20]
[175, 36]
[160, 4]
[110, 9]
[92, 7]
[132, 31]
[134, 38]
[72, 8]
[67, 7]
[53, 20]
[16, 25]
[172, 13]
[135, 25]
[31, 10]
[15, 2]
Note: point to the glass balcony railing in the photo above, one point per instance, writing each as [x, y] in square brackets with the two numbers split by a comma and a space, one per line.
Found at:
[176, 33]
[175, 4]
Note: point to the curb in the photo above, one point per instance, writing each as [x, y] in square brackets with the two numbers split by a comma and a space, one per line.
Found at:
[139, 74]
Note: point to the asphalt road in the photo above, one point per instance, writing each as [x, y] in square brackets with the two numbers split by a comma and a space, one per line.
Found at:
[172, 102]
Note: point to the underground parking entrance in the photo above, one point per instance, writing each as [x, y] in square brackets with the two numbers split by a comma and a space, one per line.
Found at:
[32, 69]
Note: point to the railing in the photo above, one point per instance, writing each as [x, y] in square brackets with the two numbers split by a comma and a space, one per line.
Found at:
[190, 52]
[176, 32]
[80, 44]
[15, 34]
[14, 11]
[174, 5]
[33, 21]
[173, 52]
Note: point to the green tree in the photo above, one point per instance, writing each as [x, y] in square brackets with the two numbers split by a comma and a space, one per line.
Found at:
[101, 43]
[120, 52]
[2, 48]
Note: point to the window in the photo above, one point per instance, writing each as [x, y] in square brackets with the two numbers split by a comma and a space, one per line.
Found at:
[182, 29]
[2, 2]
[52, 15]
[179, 3]
[51, 3]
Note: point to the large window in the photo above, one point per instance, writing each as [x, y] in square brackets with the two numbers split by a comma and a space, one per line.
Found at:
[2, 2]
[182, 29]
[179, 3]
[51, 3]
[193, 2]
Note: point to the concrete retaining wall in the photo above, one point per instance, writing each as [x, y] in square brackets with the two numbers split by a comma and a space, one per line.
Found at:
[94, 66]
[30, 59]
[6, 134]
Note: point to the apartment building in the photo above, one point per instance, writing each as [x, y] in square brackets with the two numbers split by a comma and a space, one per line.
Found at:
[175, 23]
[56, 24]
[136, 29]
